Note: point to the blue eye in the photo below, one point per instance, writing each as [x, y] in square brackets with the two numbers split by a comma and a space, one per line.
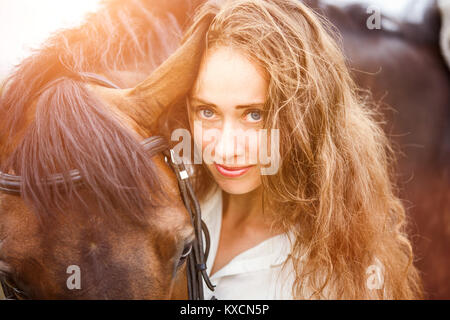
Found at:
[254, 116]
[207, 113]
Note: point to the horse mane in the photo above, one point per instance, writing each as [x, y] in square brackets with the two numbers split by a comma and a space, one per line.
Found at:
[56, 125]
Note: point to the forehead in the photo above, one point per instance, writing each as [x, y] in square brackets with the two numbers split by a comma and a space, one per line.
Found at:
[227, 77]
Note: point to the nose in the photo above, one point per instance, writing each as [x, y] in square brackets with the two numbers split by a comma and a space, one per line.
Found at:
[229, 149]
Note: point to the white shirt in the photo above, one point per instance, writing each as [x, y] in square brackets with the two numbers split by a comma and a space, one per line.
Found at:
[258, 273]
[255, 274]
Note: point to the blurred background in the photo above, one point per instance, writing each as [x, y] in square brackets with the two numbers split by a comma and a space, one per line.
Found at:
[25, 24]
[401, 63]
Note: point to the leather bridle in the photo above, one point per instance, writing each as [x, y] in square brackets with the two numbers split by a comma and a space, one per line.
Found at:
[196, 261]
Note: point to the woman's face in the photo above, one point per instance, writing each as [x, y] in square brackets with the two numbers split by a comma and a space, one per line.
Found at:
[226, 112]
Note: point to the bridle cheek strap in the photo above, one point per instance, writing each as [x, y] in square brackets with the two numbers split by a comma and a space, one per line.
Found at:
[196, 268]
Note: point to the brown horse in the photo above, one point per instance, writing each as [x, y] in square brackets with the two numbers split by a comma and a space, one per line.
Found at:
[406, 75]
[123, 233]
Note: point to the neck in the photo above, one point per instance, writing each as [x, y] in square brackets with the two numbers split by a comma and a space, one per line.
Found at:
[243, 208]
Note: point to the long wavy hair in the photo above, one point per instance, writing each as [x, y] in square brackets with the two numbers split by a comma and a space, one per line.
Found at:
[335, 191]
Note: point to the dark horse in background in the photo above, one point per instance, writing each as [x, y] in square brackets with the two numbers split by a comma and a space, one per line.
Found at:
[402, 67]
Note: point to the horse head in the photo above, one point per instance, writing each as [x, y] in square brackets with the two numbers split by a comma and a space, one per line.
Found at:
[90, 211]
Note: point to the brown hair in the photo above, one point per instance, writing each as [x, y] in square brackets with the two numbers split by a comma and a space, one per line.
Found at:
[335, 190]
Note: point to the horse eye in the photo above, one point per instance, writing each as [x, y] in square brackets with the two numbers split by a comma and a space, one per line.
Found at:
[186, 252]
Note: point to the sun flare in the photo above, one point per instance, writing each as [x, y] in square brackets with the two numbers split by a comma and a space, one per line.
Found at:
[25, 24]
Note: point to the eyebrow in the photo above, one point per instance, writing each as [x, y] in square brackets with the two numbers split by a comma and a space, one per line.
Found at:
[243, 106]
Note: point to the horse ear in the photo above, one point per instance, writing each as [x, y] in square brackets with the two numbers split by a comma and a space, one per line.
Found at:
[171, 80]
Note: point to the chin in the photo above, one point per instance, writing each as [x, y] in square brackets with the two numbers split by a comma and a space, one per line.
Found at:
[236, 188]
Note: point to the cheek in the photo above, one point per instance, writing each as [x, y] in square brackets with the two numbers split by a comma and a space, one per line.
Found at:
[197, 134]
[197, 129]
[203, 137]
[251, 143]
[252, 148]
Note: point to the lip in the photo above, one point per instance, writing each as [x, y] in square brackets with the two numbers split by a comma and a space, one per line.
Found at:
[232, 172]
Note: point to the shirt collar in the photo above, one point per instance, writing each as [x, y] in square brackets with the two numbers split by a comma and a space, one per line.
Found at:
[268, 254]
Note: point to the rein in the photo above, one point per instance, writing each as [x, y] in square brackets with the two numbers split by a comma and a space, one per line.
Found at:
[196, 261]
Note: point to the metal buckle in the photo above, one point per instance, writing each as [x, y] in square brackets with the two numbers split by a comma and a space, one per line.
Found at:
[183, 174]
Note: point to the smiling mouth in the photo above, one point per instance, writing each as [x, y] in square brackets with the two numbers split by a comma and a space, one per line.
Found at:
[232, 172]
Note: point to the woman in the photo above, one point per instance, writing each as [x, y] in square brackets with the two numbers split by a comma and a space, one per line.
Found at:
[326, 224]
